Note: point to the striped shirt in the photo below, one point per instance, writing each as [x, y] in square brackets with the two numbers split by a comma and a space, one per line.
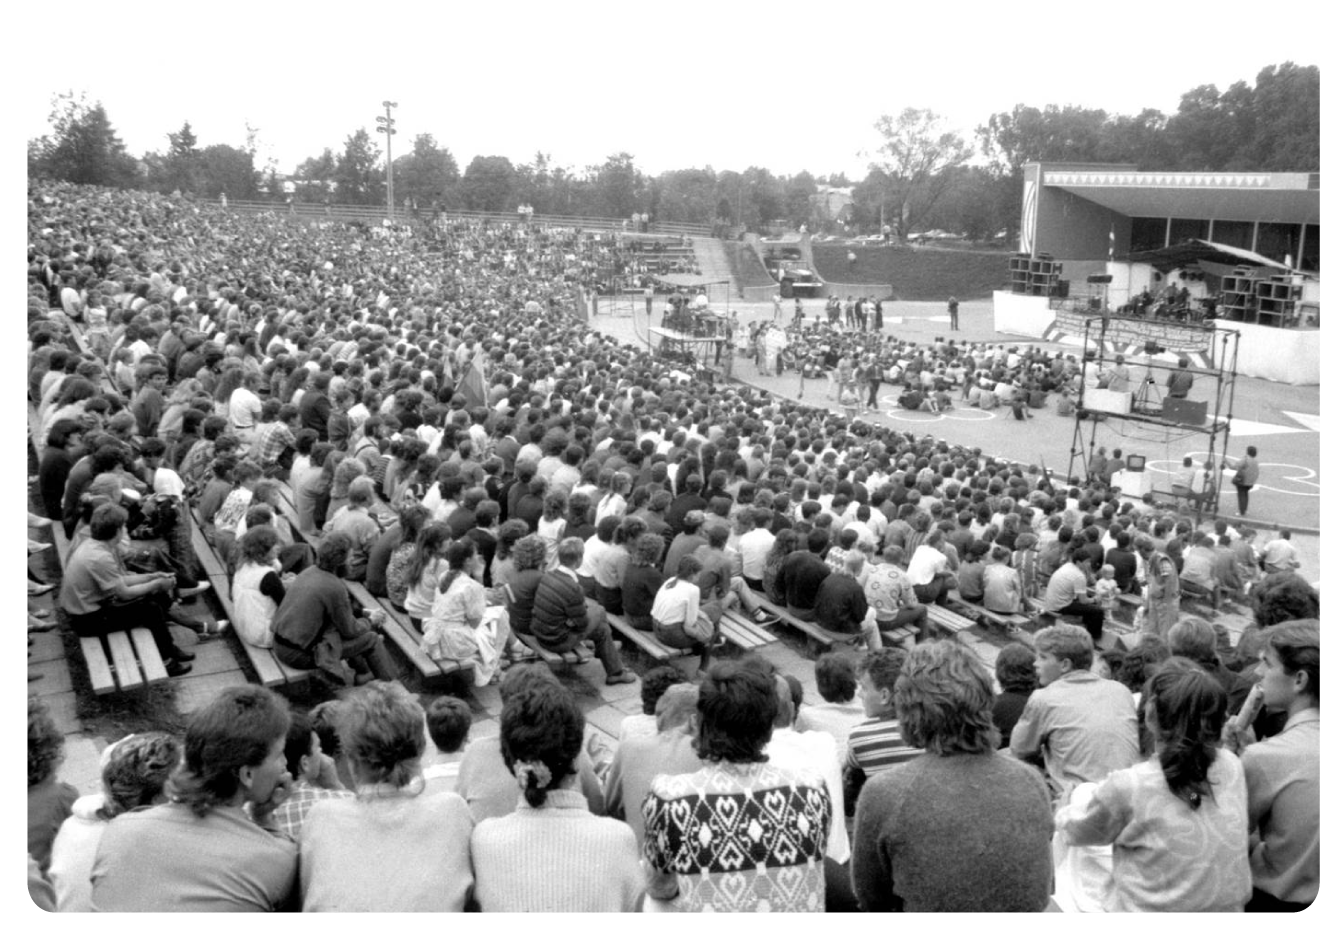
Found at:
[876, 745]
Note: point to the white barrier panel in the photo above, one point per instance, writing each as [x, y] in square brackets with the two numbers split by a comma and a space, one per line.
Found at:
[1027, 315]
[1286, 355]
[1112, 401]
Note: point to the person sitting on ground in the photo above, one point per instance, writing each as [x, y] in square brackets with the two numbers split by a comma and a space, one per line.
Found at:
[49, 799]
[1085, 726]
[530, 860]
[201, 851]
[682, 814]
[956, 813]
[876, 744]
[1176, 820]
[134, 772]
[1282, 772]
[668, 749]
[313, 773]
[1016, 676]
[653, 685]
[391, 846]
[448, 720]
[487, 785]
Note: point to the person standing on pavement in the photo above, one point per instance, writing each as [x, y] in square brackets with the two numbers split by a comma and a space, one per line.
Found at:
[953, 306]
[1246, 475]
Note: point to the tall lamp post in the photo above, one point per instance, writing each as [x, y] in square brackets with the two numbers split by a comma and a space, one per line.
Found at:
[387, 125]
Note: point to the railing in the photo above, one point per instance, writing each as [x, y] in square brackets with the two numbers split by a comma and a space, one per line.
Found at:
[375, 214]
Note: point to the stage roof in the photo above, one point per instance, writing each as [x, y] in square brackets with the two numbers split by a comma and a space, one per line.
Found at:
[1189, 252]
[1284, 197]
[690, 281]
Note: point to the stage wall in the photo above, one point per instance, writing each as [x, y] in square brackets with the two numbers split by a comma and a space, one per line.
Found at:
[1287, 355]
[1027, 315]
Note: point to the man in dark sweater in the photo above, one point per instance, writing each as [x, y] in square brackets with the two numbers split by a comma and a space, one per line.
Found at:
[1124, 561]
[801, 575]
[841, 606]
[315, 626]
[687, 501]
[561, 617]
[314, 410]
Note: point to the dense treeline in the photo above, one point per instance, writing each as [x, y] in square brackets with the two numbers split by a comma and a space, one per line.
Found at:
[922, 176]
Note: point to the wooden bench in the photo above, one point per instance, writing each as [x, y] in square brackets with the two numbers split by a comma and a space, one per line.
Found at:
[122, 660]
[744, 632]
[644, 640]
[946, 619]
[812, 631]
[966, 609]
[115, 661]
[401, 633]
[573, 657]
[898, 636]
[270, 671]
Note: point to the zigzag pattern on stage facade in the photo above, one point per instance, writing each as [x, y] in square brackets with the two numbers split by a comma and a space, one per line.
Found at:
[1199, 359]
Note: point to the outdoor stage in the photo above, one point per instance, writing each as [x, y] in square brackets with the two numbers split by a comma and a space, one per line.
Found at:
[1285, 355]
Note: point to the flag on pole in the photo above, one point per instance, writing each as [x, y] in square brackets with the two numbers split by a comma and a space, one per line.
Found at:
[472, 383]
[1111, 242]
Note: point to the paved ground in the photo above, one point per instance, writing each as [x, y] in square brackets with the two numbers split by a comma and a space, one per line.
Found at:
[1282, 421]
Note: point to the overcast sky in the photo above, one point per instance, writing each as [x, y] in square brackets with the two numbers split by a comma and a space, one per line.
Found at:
[787, 86]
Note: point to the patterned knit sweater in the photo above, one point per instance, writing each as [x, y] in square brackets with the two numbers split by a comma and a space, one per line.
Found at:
[738, 838]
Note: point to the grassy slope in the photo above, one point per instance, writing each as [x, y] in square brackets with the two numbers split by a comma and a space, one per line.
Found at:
[918, 273]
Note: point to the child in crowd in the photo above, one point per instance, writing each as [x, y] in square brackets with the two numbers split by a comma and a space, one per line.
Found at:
[1106, 592]
[448, 724]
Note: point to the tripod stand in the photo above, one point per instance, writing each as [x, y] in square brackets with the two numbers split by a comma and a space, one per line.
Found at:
[1147, 398]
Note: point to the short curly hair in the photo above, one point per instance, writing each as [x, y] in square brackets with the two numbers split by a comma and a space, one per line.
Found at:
[1284, 596]
[655, 682]
[944, 700]
[529, 552]
[382, 729]
[46, 743]
[136, 770]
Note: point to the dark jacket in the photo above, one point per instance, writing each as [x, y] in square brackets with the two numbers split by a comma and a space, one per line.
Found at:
[559, 614]
[840, 604]
[800, 577]
[314, 410]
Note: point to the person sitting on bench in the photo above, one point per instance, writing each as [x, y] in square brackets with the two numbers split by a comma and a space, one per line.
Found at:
[99, 596]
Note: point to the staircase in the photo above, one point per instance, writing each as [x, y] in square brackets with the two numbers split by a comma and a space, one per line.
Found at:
[713, 263]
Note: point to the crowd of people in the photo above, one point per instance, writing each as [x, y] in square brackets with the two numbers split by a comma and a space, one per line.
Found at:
[452, 435]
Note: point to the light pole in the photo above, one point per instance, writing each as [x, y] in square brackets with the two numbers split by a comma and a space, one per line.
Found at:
[387, 125]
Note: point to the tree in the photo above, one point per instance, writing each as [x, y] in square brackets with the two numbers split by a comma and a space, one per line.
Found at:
[685, 196]
[798, 199]
[181, 166]
[83, 147]
[315, 177]
[358, 178]
[1054, 134]
[489, 184]
[917, 153]
[427, 173]
[617, 187]
[228, 170]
